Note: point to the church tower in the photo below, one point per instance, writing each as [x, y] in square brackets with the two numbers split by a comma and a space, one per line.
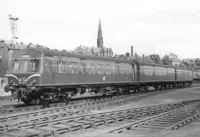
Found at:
[100, 36]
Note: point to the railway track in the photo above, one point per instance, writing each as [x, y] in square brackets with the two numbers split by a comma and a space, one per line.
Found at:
[156, 125]
[61, 123]
[15, 108]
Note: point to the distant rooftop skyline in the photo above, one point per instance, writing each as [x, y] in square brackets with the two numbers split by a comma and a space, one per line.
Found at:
[152, 27]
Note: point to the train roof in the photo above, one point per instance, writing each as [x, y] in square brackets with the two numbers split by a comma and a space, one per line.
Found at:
[184, 68]
[158, 65]
[51, 53]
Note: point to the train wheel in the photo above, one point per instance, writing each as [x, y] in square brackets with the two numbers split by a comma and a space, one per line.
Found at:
[27, 102]
[44, 100]
[66, 98]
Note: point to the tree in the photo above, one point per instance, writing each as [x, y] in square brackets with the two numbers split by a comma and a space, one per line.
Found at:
[197, 62]
[166, 60]
[155, 58]
[127, 54]
[184, 63]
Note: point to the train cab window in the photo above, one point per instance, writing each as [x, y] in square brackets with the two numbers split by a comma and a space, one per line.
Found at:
[15, 66]
[25, 65]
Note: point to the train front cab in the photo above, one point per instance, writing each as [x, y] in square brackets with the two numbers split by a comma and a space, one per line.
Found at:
[24, 73]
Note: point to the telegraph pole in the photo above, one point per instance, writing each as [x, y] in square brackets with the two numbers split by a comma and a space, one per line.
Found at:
[13, 26]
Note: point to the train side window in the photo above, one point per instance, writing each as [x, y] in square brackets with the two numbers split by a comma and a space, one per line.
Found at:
[109, 69]
[144, 70]
[59, 66]
[70, 67]
[141, 70]
[106, 68]
[130, 69]
[89, 68]
[92, 68]
[76, 67]
[102, 68]
[99, 69]
[62, 67]
[66, 66]
[95, 68]
[80, 67]
[54, 66]
[48, 66]
[114, 69]
[126, 69]
[121, 69]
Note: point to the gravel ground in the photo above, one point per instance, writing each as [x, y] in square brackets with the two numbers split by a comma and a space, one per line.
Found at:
[163, 98]
[191, 130]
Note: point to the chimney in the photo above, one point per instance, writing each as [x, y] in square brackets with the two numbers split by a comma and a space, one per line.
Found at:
[131, 51]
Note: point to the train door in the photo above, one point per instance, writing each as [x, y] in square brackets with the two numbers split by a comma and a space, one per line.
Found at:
[133, 73]
[54, 70]
[48, 71]
[176, 73]
[137, 72]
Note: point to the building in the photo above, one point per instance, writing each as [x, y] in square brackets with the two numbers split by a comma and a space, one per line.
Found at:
[100, 50]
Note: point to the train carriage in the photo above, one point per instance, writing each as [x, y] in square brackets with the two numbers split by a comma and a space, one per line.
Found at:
[155, 73]
[40, 70]
[4, 58]
[184, 76]
[196, 75]
[45, 74]
[4, 66]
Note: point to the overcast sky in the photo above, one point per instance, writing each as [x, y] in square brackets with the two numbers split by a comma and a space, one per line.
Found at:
[151, 26]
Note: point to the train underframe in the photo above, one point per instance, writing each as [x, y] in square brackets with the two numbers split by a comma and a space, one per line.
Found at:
[45, 95]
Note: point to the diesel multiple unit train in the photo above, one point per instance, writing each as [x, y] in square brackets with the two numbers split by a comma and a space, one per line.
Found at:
[45, 74]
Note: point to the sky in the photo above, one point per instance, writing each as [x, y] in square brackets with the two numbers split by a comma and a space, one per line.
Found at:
[150, 26]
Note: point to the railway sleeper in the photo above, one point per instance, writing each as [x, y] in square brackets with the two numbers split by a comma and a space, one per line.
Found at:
[85, 124]
[24, 133]
[40, 125]
[160, 124]
[152, 126]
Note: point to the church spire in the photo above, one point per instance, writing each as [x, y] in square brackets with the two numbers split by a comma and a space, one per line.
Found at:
[100, 36]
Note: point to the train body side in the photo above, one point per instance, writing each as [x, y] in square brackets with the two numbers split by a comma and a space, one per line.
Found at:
[184, 75]
[151, 73]
[67, 69]
[4, 58]
[47, 74]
